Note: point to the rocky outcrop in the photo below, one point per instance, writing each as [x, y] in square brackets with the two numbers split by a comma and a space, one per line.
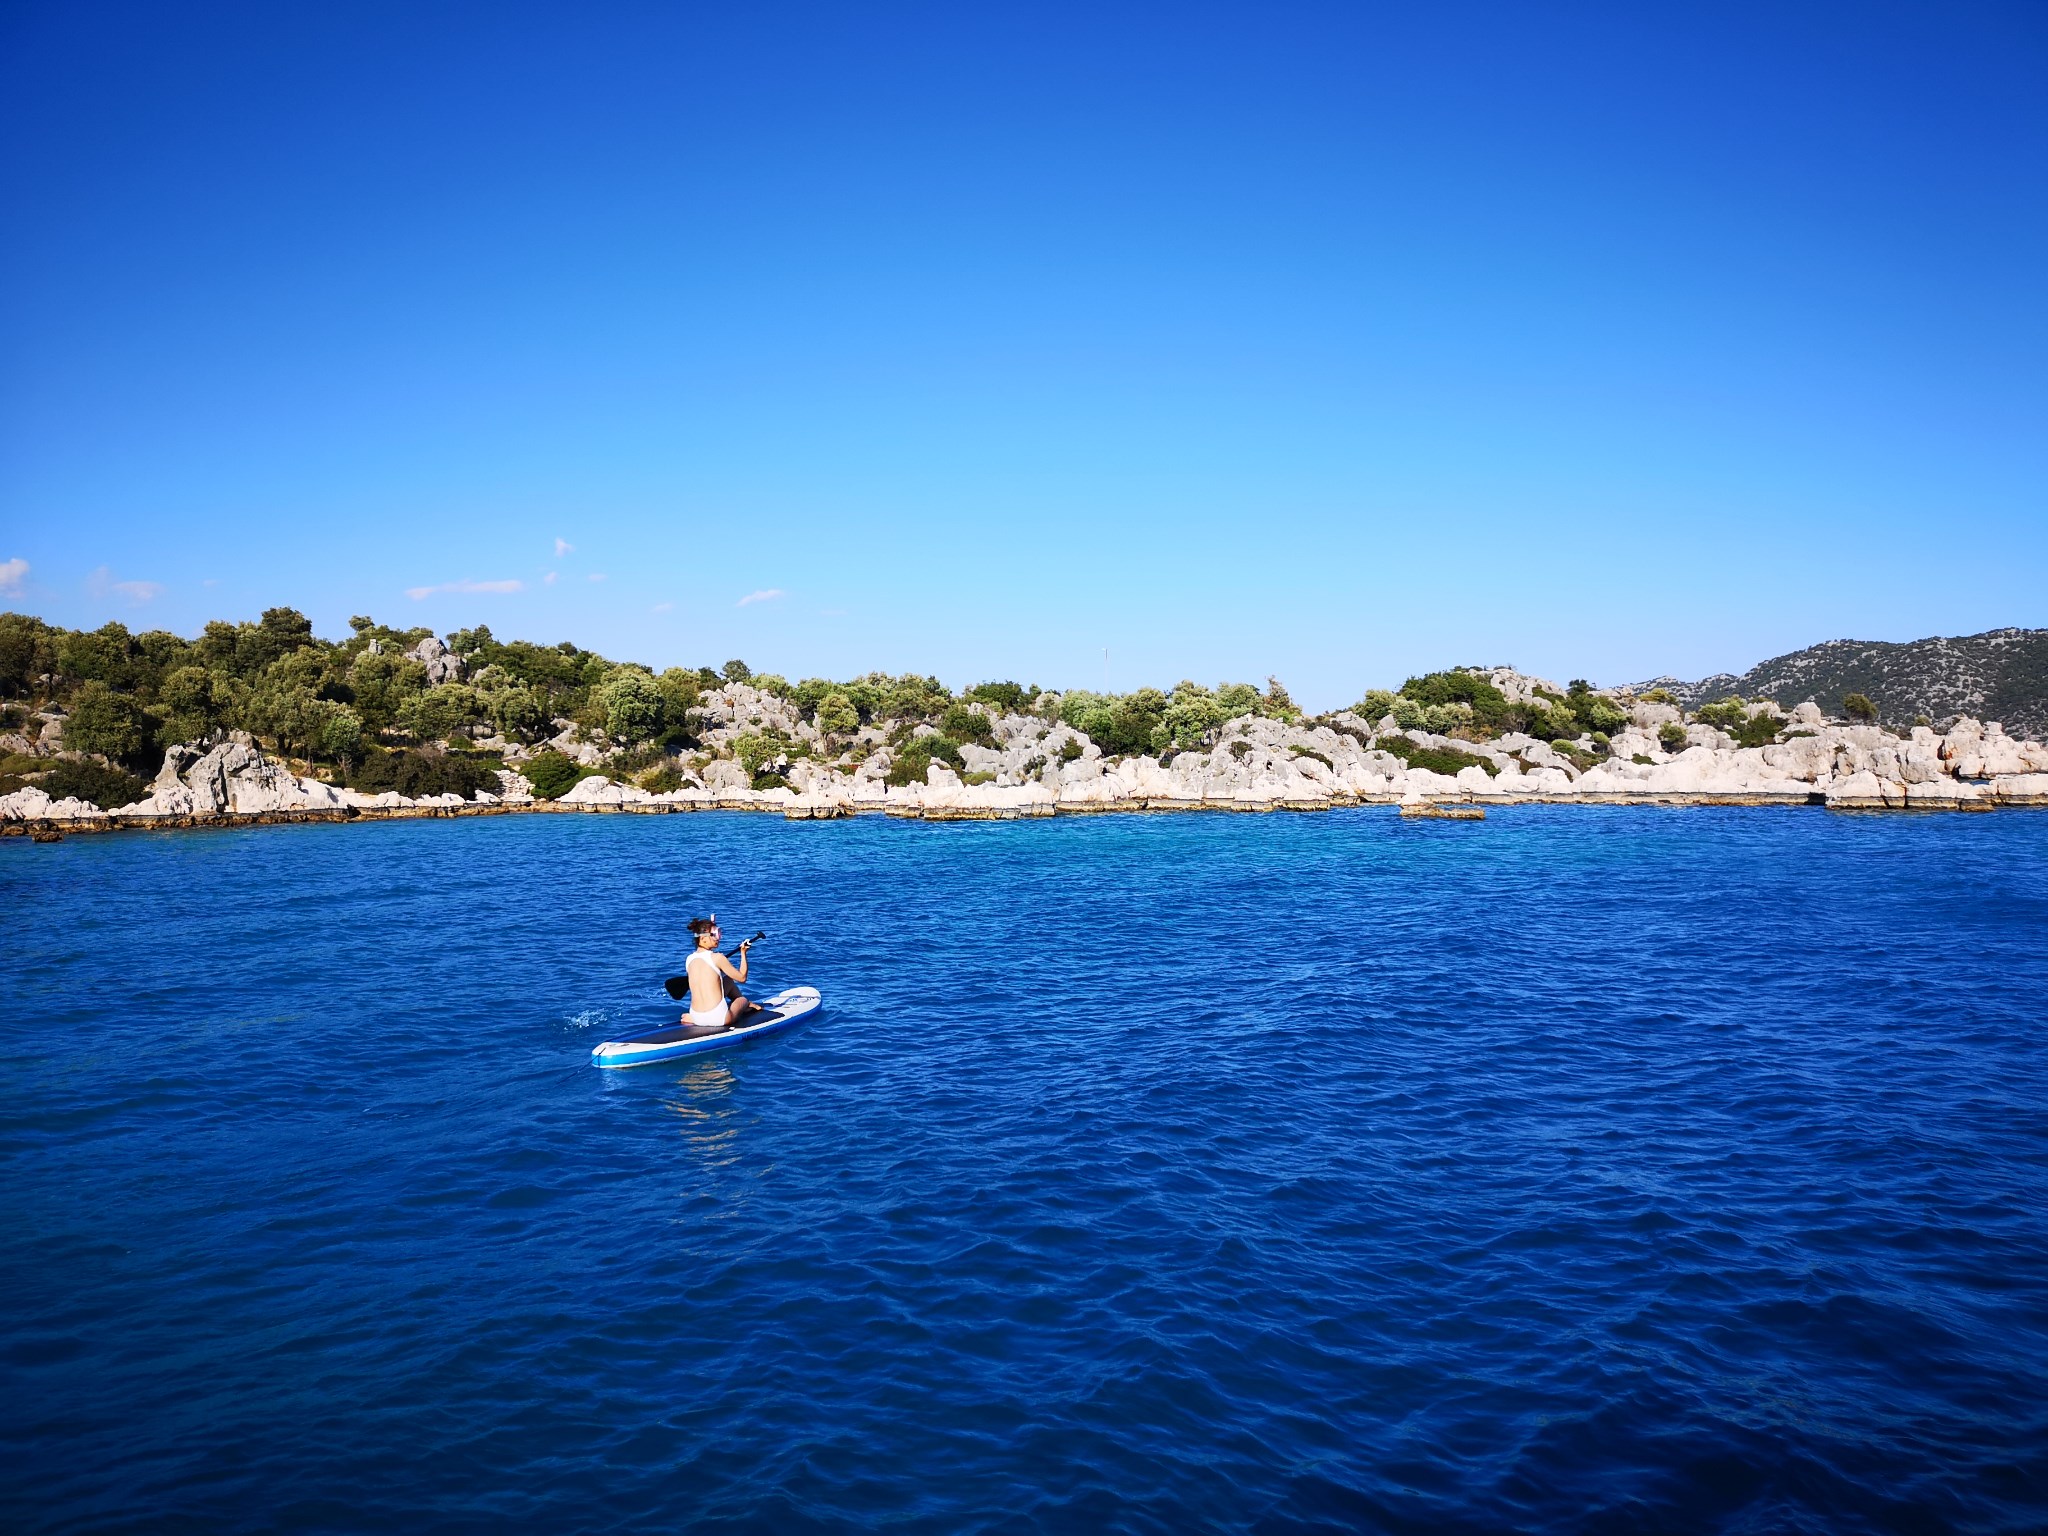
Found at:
[442, 664]
[1042, 768]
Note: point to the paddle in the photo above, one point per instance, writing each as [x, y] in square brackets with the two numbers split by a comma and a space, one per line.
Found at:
[679, 986]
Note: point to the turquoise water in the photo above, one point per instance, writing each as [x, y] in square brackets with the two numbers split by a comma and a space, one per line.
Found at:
[1577, 1170]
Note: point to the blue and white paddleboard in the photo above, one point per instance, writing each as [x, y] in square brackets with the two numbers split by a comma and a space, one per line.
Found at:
[785, 1010]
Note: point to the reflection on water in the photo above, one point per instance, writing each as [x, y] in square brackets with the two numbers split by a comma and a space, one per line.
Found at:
[710, 1123]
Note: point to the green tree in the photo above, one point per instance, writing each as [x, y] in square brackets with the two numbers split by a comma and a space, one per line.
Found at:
[28, 653]
[440, 712]
[287, 712]
[631, 703]
[1191, 714]
[1278, 702]
[737, 671]
[836, 715]
[1857, 706]
[681, 692]
[191, 703]
[515, 710]
[105, 722]
[382, 683]
[1236, 699]
[337, 733]
[757, 750]
[278, 633]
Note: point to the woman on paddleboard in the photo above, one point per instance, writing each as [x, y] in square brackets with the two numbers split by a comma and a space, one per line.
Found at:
[709, 971]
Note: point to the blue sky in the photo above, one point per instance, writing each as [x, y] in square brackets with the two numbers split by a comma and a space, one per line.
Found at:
[1338, 342]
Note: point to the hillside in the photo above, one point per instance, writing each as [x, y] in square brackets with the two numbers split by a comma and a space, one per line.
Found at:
[2001, 675]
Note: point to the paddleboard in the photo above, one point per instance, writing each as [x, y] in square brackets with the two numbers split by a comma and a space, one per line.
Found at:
[785, 1010]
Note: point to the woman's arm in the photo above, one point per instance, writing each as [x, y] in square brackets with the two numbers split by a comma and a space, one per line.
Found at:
[725, 965]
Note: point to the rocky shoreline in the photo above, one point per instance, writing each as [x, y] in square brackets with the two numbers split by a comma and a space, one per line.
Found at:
[1036, 767]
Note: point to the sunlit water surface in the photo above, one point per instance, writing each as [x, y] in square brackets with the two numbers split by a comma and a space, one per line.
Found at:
[1574, 1171]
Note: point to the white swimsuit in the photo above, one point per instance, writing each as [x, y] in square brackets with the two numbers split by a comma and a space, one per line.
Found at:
[717, 1014]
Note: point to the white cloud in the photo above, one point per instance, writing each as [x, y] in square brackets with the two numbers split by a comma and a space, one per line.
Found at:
[549, 579]
[664, 607]
[766, 594]
[101, 582]
[416, 593]
[12, 574]
[563, 547]
[597, 575]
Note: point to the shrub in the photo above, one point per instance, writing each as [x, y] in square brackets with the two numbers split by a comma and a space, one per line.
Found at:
[1857, 706]
[1375, 706]
[1312, 752]
[977, 778]
[757, 749]
[1646, 761]
[661, 780]
[1727, 715]
[1597, 713]
[1240, 750]
[107, 788]
[1484, 705]
[1659, 696]
[1759, 730]
[18, 769]
[1004, 696]
[1071, 750]
[1125, 723]
[963, 724]
[1445, 760]
[915, 756]
[553, 775]
[736, 671]
[416, 774]
[1671, 736]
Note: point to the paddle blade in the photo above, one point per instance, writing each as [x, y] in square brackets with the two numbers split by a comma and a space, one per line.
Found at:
[678, 987]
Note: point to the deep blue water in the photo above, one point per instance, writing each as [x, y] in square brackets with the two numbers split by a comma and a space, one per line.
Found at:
[1577, 1171]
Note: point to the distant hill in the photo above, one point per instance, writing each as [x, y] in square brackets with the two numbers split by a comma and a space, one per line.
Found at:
[2001, 675]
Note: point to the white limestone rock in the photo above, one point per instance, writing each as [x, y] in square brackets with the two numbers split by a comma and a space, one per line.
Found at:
[442, 664]
[2021, 789]
[599, 790]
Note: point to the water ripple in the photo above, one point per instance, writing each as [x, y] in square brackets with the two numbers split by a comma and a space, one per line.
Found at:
[1579, 1171]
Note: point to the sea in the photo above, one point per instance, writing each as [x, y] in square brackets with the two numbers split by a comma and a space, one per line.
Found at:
[1577, 1170]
